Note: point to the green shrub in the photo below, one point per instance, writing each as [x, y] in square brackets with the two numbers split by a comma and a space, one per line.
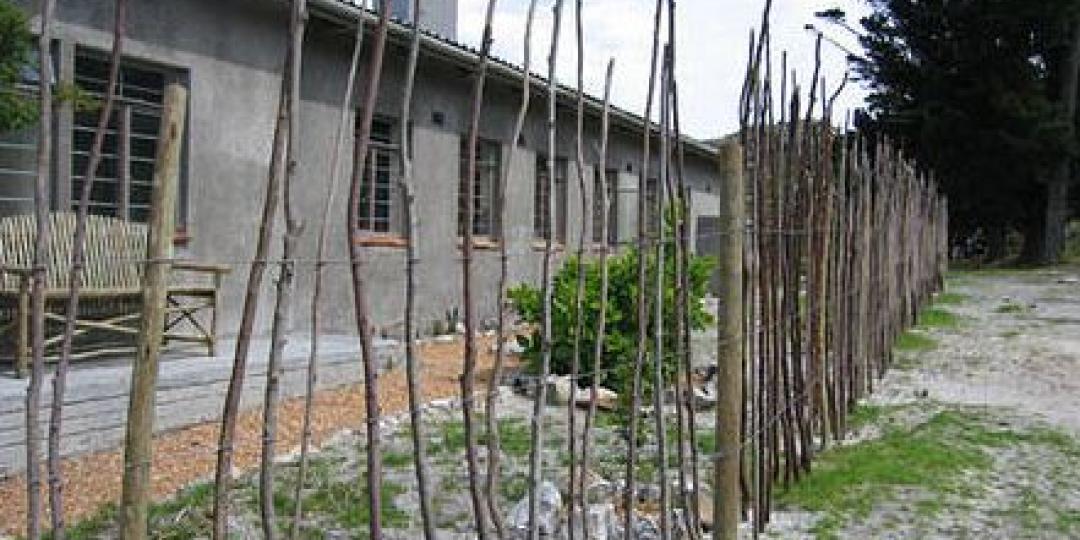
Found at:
[620, 340]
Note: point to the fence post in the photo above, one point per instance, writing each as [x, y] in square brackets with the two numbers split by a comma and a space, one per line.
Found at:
[138, 449]
[729, 353]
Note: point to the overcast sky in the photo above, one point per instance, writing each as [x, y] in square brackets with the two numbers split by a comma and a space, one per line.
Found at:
[712, 43]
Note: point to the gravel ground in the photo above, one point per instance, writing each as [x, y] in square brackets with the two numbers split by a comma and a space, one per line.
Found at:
[1012, 366]
[187, 455]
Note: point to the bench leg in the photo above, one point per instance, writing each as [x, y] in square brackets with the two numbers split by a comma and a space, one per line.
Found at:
[211, 342]
[22, 330]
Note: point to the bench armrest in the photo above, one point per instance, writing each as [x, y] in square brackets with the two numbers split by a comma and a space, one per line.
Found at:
[17, 270]
[195, 266]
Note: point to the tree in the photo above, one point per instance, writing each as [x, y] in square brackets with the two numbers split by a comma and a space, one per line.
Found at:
[17, 107]
[972, 90]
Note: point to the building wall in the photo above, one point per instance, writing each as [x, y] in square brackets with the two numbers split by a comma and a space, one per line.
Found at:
[231, 53]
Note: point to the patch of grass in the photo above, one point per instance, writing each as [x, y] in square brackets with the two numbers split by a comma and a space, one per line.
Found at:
[1010, 307]
[912, 341]
[514, 488]
[397, 460]
[706, 441]
[515, 436]
[346, 504]
[934, 458]
[1010, 334]
[848, 481]
[1068, 522]
[93, 527]
[938, 318]
[949, 299]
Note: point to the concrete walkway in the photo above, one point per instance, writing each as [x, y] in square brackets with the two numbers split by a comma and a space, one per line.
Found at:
[191, 389]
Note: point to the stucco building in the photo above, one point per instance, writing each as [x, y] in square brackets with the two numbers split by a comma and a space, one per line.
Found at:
[229, 54]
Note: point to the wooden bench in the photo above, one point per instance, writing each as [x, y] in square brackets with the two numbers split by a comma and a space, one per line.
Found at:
[110, 296]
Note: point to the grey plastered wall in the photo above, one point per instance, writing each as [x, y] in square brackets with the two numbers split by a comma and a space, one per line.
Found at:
[232, 51]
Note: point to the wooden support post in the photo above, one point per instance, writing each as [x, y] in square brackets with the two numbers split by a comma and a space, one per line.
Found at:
[726, 496]
[140, 419]
[22, 328]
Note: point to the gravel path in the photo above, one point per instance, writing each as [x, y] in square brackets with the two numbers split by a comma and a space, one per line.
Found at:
[1006, 378]
[187, 455]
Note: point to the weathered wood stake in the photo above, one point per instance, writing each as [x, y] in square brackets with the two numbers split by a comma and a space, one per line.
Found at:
[138, 445]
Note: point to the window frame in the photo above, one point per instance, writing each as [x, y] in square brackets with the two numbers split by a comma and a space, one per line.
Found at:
[383, 143]
[126, 106]
[487, 182]
[540, 199]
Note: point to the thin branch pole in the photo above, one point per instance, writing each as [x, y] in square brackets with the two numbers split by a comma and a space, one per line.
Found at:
[684, 304]
[320, 265]
[579, 290]
[38, 275]
[658, 307]
[78, 261]
[537, 435]
[468, 377]
[642, 314]
[493, 451]
[285, 286]
[226, 436]
[412, 234]
[601, 319]
[360, 306]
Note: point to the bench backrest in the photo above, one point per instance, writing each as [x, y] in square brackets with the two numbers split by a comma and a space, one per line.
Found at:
[113, 250]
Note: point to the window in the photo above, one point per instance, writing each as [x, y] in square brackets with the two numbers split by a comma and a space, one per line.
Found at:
[18, 148]
[485, 187]
[609, 181]
[541, 228]
[125, 174]
[379, 181]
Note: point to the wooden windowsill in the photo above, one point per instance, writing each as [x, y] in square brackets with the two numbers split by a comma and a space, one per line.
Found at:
[181, 238]
[379, 240]
[541, 245]
[480, 242]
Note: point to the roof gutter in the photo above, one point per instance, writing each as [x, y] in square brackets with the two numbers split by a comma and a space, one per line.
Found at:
[348, 14]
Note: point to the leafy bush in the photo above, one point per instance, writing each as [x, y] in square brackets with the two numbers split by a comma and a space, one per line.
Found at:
[620, 339]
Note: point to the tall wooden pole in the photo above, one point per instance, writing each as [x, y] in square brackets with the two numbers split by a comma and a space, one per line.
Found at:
[412, 235]
[138, 447]
[493, 452]
[642, 282]
[37, 278]
[78, 262]
[320, 266]
[468, 376]
[537, 427]
[282, 319]
[579, 289]
[601, 318]
[356, 262]
[729, 352]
